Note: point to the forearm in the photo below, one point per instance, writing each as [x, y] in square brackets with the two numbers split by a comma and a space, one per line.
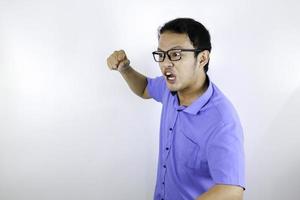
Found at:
[136, 81]
[222, 192]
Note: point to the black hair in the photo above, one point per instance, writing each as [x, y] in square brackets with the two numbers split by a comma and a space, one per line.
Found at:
[196, 32]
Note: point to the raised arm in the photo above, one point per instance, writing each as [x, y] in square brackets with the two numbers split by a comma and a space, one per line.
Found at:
[137, 82]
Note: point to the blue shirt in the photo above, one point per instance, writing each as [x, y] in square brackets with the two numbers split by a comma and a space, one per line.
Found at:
[200, 145]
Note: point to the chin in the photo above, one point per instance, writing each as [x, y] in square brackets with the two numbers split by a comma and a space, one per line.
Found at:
[172, 88]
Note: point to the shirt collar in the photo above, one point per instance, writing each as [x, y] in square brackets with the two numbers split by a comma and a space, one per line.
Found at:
[198, 104]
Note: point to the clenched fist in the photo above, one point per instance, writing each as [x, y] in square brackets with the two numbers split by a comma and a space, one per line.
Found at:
[118, 61]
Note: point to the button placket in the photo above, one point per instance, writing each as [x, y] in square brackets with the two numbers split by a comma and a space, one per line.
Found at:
[163, 181]
[170, 138]
[166, 152]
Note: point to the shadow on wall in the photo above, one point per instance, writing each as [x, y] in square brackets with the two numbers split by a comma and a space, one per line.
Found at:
[278, 163]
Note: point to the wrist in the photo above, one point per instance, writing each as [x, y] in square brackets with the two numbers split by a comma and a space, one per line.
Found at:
[125, 69]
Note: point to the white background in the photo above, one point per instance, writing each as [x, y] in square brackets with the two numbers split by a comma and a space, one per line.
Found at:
[70, 129]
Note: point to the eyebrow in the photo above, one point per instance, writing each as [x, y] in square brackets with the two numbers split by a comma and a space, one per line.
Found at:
[178, 46]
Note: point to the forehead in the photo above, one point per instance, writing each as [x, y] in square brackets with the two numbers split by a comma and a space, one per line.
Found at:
[169, 40]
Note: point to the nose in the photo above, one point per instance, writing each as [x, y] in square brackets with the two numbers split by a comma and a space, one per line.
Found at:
[166, 63]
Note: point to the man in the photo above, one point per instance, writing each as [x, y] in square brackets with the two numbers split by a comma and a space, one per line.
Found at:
[201, 152]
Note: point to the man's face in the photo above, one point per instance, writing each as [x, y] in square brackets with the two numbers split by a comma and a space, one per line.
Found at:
[182, 74]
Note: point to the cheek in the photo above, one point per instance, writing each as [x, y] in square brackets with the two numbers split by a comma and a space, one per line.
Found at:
[186, 71]
[161, 70]
[160, 67]
[183, 76]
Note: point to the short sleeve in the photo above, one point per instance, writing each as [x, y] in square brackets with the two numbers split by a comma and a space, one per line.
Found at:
[225, 154]
[156, 88]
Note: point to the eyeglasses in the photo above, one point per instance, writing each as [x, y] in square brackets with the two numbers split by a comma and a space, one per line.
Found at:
[173, 54]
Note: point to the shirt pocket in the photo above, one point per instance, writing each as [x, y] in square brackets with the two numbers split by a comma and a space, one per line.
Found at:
[191, 149]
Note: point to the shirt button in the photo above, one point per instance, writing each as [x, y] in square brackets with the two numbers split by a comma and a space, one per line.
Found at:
[167, 148]
[170, 129]
[162, 199]
[165, 166]
[163, 183]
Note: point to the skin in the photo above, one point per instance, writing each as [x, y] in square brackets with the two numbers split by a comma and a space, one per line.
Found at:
[190, 76]
[223, 192]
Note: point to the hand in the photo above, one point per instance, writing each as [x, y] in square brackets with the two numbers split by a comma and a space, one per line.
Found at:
[118, 61]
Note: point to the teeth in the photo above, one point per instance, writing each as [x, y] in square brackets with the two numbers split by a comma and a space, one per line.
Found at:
[169, 76]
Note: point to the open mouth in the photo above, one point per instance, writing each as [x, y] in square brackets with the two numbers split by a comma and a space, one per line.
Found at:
[170, 76]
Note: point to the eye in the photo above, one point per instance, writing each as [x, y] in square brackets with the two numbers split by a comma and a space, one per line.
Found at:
[160, 55]
[175, 54]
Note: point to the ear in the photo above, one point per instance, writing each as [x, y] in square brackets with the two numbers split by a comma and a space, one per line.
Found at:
[203, 58]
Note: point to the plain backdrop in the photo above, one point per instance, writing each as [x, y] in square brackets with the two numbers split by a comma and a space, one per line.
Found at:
[70, 129]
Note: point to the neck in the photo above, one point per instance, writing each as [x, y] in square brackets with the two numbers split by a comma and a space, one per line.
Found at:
[189, 95]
